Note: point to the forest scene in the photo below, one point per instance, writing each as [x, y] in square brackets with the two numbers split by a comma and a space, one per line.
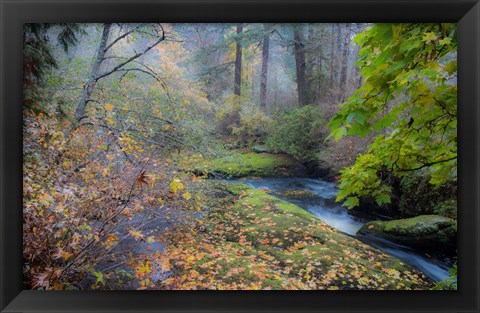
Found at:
[240, 156]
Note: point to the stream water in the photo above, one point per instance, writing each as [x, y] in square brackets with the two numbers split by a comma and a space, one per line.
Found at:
[322, 204]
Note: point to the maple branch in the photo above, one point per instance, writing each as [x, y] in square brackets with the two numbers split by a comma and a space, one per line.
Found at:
[426, 165]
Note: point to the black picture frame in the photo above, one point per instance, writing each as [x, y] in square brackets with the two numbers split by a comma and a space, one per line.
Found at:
[14, 13]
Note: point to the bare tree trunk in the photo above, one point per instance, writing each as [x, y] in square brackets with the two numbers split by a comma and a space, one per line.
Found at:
[345, 57]
[321, 56]
[238, 63]
[310, 62]
[102, 49]
[251, 69]
[264, 75]
[357, 76]
[300, 65]
[332, 53]
[337, 50]
[275, 89]
[87, 89]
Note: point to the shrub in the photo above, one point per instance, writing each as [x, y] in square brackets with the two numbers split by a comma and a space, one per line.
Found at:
[298, 132]
[242, 120]
[418, 197]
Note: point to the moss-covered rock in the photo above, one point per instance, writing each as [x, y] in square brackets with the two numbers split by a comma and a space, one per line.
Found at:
[427, 232]
[258, 241]
[236, 165]
[294, 194]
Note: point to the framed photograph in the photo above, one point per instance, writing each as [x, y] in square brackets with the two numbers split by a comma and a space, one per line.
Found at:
[240, 156]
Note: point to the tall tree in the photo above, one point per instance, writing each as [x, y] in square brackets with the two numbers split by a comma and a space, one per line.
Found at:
[238, 62]
[300, 64]
[315, 56]
[345, 57]
[264, 74]
[87, 89]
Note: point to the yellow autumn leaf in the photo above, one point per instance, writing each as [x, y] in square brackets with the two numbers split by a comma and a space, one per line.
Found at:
[187, 196]
[109, 120]
[142, 269]
[151, 239]
[108, 107]
[66, 255]
[176, 185]
[111, 239]
[166, 127]
[137, 234]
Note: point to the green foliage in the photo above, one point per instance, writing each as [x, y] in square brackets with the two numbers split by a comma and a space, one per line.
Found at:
[37, 46]
[409, 99]
[449, 283]
[298, 133]
[248, 164]
[418, 197]
[447, 208]
[253, 126]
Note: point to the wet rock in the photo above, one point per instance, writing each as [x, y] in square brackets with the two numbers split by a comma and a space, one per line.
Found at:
[259, 149]
[296, 194]
[428, 232]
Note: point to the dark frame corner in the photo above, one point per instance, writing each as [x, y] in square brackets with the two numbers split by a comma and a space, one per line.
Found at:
[14, 13]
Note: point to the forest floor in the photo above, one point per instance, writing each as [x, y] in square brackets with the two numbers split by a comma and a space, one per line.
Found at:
[248, 239]
[252, 240]
[243, 238]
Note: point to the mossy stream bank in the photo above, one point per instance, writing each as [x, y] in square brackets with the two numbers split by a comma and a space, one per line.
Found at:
[236, 165]
[252, 240]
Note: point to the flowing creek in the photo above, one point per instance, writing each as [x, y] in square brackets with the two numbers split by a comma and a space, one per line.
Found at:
[322, 204]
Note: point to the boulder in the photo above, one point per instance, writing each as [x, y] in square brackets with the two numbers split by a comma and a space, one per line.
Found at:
[426, 232]
[296, 194]
[259, 149]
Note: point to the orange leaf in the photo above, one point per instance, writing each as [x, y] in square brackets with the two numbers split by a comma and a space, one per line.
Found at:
[142, 178]
[136, 234]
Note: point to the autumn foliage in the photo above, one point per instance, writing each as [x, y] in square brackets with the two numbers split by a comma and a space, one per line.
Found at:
[126, 125]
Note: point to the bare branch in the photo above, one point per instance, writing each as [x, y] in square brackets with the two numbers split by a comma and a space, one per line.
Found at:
[134, 57]
[121, 37]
